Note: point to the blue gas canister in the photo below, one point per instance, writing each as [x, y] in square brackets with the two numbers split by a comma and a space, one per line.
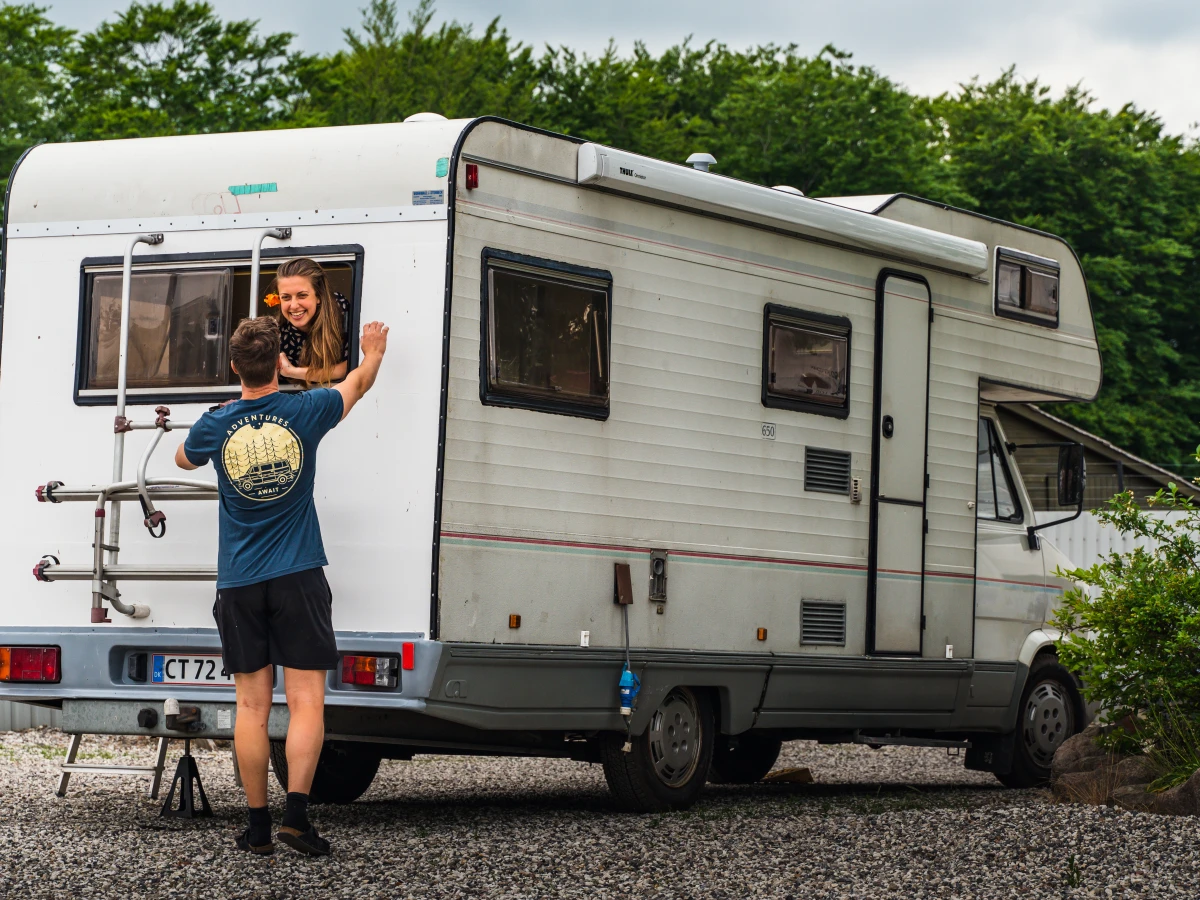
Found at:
[629, 686]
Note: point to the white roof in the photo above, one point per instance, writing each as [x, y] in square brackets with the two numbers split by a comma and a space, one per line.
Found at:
[250, 174]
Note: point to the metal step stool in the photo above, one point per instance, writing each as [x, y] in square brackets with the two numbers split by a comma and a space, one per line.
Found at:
[70, 766]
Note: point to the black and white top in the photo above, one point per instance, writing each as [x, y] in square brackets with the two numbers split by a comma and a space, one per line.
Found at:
[292, 339]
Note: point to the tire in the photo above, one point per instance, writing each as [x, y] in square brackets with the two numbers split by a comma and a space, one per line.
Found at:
[743, 759]
[1051, 711]
[668, 765]
[344, 771]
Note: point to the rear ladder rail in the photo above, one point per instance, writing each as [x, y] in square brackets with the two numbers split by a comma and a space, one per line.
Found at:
[106, 570]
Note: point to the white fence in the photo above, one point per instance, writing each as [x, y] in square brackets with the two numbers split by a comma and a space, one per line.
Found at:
[1086, 541]
[18, 716]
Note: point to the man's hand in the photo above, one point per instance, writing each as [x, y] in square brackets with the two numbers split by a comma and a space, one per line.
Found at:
[374, 338]
[358, 382]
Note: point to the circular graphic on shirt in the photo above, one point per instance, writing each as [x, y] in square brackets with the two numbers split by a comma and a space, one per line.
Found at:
[262, 458]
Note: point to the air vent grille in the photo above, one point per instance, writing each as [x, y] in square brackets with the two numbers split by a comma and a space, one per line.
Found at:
[823, 622]
[826, 471]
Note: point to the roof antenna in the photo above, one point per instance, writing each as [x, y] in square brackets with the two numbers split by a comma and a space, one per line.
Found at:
[701, 161]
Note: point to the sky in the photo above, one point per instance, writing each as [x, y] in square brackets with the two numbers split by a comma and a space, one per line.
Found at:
[1145, 52]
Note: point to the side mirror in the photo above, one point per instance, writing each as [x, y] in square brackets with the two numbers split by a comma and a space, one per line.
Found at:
[1072, 475]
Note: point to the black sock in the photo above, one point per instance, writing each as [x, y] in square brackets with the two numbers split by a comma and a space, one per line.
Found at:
[295, 814]
[260, 826]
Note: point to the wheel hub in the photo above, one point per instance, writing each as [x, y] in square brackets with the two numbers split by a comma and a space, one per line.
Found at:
[1047, 721]
[674, 738]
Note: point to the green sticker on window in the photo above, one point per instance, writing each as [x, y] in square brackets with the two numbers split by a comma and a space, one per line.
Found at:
[443, 167]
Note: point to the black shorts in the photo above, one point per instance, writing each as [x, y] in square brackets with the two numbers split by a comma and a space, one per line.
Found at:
[284, 621]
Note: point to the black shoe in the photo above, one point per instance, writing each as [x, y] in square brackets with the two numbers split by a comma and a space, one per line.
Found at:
[243, 843]
[304, 842]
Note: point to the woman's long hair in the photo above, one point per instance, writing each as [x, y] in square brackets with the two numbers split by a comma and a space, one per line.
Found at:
[323, 349]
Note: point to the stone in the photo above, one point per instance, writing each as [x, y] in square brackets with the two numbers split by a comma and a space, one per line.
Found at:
[1134, 770]
[1080, 753]
[1181, 800]
[1135, 798]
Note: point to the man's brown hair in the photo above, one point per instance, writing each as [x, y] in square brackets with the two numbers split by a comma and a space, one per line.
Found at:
[254, 350]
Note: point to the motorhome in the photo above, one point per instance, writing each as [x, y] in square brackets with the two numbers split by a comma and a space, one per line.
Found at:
[662, 468]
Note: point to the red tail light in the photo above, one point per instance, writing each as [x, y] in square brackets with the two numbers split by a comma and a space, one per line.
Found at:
[372, 671]
[472, 176]
[30, 664]
[408, 656]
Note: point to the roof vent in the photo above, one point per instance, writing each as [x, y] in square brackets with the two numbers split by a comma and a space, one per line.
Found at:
[701, 161]
[788, 189]
[426, 117]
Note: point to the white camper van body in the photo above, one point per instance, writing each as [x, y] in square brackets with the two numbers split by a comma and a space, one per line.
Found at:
[451, 513]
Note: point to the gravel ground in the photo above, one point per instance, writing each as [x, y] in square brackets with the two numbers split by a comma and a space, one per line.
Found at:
[897, 822]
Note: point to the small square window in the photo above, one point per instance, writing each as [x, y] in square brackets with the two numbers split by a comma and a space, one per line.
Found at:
[547, 336]
[1026, 287]
[806, 363]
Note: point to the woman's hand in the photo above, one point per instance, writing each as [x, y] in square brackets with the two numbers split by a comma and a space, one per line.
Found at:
[287, 370]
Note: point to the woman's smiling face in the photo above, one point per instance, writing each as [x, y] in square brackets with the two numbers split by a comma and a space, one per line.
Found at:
[297, 301]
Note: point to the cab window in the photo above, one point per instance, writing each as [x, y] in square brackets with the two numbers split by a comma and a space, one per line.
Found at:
[995, 494]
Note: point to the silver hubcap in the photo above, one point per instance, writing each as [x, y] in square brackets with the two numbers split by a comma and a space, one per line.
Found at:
[674, 737]
[1047, 721]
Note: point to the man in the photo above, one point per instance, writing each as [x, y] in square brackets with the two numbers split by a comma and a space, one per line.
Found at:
[274, 606]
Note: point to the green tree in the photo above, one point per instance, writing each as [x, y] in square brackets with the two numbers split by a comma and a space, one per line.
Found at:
[828, 127]
[386, 74]
[31, 49]
[161, 69]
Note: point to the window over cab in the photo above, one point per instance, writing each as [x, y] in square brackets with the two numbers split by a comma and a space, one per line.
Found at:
[1026, 287]
[183, 310]
[545, 335]
[806, 361]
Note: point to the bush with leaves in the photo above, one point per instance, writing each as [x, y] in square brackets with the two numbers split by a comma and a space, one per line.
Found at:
[1136, 643]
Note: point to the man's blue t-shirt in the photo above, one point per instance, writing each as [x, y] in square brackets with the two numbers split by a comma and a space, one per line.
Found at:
[265, 454]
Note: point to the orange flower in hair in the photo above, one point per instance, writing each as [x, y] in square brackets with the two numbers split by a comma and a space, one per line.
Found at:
[271, 299]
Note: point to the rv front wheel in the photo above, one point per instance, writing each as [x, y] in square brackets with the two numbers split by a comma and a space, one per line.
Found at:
[667, 765]
[345, 770]
[1051, 711]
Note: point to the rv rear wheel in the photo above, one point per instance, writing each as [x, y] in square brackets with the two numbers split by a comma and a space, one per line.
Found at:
[344, 771]
[743, 758]
[1051, 711]
[668, 764]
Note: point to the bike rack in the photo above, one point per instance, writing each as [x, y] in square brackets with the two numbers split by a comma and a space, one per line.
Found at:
[105, 573]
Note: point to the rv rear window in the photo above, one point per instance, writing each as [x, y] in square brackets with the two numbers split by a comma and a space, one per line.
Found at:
[546, 336]
[181, 316]
[806, 361]
[1026, 287]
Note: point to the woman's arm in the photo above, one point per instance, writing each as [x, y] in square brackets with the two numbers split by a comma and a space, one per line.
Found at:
[300, 373]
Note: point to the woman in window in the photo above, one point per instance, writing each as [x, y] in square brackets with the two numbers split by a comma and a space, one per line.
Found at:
[314, 332]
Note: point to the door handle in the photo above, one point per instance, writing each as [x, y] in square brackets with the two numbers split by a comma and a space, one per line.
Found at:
[888, 427]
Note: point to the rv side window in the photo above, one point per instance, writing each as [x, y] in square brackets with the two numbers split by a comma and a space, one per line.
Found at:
[806, 361]
[1026, 287]
[546, 340]
[996, 495]
[181, 316]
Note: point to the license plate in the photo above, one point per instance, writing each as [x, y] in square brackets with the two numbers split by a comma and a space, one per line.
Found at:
[198, 668]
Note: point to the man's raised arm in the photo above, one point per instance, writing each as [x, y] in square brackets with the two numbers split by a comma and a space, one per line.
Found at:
[359, 381]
